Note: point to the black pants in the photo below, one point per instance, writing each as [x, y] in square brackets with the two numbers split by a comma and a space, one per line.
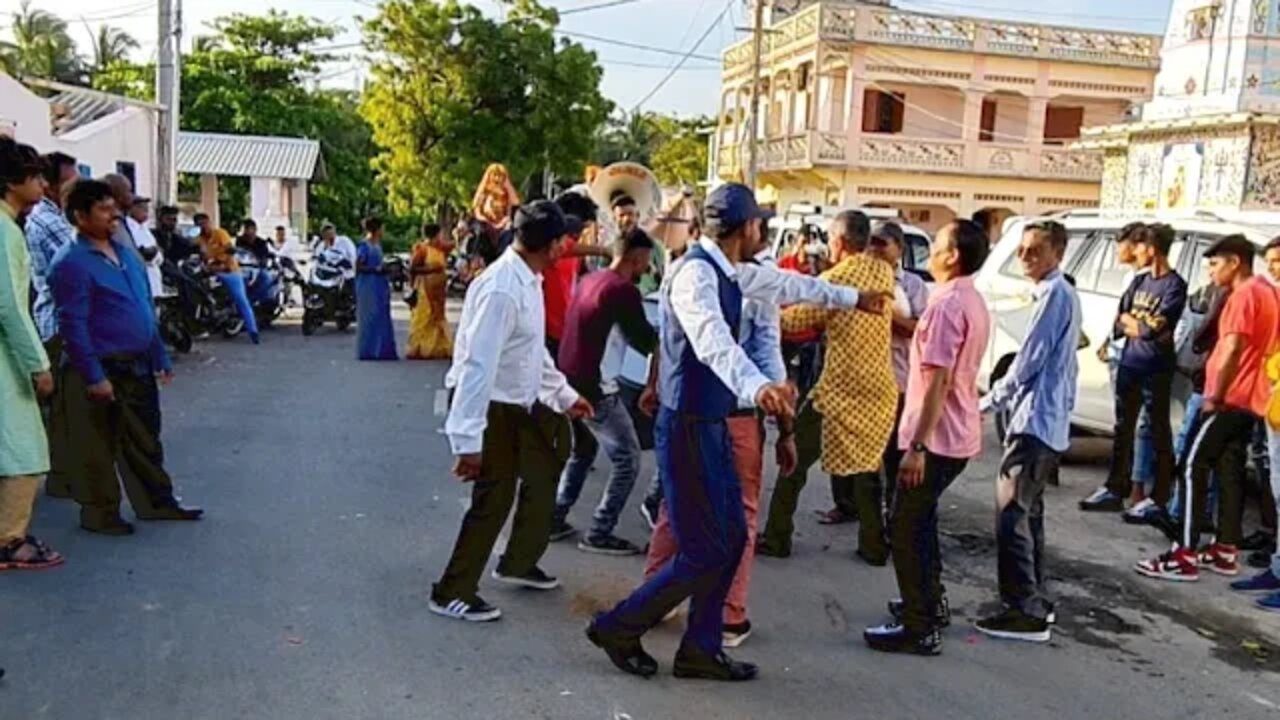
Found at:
[780, 525]
[917, 558]
[522, 450]
[892, 460]
[1219, 447]
[58, 481]
[1027, 467]
[1129, 387]
[121, 436]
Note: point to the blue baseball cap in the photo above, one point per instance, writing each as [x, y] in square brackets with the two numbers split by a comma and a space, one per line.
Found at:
[733, 205]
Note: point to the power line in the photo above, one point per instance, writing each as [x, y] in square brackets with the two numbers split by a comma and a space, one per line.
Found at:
[676, 68]
[1039, 13]
[654, 66]
[634, 46]
[599, 6]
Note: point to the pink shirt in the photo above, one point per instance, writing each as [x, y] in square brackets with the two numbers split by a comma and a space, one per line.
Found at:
[952, 333]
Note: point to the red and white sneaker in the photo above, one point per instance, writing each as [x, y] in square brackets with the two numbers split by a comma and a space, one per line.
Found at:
[1222, 559]
[1177, 565]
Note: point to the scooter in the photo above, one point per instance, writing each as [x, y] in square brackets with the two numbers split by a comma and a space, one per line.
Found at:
[329, 294]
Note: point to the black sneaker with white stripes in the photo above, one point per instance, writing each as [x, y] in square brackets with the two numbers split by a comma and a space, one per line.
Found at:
[473, 610]
[535, 579]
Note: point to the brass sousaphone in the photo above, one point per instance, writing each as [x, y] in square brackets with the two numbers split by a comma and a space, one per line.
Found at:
[633, 180]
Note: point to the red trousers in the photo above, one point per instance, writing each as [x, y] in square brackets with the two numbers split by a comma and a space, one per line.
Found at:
[747, 435]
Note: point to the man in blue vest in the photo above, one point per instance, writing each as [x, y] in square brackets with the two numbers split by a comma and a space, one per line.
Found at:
[702, 374]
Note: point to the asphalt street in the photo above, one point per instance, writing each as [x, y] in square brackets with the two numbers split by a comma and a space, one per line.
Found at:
[331, 510]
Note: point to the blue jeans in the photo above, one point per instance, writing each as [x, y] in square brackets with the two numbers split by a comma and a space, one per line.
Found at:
[1144, 451]
[1273, 453]
[234, 282]
[613, 428]
[704, 504]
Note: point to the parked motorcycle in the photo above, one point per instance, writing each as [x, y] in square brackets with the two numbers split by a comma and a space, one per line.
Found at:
[173, 326]
[208, 307]
[397, 271]
[263, 284]
[329, 294]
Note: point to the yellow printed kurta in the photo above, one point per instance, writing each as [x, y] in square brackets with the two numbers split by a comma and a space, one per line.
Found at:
[428, 330]
[856, 395]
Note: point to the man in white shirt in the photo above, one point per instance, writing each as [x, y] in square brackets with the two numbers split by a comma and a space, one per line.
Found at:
[330, 238]
[504, 425]
[703, 374]
[136, 220]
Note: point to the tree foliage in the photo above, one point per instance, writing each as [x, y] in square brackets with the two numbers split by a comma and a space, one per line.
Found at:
[672, 147]
[453, 90]
[111, 46]
[40, 47]
[256, 75]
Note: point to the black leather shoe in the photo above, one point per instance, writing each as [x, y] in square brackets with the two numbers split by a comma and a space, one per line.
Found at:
[694, 664]
[943, 619]
[173, 512]
[894, 638]
[1259, 540]
[764, 548]
[117, 527]
[624, 652]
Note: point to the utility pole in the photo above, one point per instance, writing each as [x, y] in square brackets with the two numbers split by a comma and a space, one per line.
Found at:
[753, 115]
[168, 83]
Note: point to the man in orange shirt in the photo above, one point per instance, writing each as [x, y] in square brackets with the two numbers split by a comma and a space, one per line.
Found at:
[1236, 394]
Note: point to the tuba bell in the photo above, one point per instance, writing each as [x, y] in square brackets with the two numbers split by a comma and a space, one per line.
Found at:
[633, 180]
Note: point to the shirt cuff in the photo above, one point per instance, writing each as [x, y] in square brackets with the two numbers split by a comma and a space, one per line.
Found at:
[564, 398]
[466, 444]
[754, 386]
[847, 297]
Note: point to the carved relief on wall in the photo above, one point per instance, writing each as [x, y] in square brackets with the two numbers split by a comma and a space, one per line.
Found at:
[1115, 168]
[1221, 179]
[1263, 189]
[1260, 9]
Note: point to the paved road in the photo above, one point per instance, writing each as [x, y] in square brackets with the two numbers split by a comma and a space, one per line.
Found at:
[331, 510]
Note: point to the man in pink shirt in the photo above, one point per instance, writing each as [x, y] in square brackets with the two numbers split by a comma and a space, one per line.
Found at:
[941, 430]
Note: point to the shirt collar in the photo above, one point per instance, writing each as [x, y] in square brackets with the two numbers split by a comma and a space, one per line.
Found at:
[522, 270]
[964, 281]
[712, 248]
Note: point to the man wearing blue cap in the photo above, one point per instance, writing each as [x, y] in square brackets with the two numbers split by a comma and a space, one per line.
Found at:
[503, 425]
[703, 373]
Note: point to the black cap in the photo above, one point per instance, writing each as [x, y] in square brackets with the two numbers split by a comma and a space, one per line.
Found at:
[1235, 246]
[540, 222]
[732, 205]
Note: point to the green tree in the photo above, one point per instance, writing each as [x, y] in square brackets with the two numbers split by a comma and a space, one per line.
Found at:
[255, 75]
[680, 153]
[111, 46]
[40, 47]
[626, 136]
[453, 90]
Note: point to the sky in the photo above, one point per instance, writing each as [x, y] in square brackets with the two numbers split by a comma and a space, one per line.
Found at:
[631, 74]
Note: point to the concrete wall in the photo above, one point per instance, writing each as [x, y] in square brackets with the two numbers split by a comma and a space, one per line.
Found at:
[24, 114]
[125, 136]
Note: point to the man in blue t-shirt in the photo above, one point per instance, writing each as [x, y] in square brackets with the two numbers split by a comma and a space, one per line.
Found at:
[1149, 313]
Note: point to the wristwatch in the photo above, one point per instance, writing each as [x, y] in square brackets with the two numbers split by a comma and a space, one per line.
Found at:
[919, 447]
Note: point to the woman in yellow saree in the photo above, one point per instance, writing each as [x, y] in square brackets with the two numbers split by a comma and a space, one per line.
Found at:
[428, 330]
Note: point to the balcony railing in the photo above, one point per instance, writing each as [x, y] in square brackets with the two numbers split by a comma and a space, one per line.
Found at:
[894, 152]
[892, 26]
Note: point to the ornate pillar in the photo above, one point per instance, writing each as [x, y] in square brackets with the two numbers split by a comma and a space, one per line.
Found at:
[1036, 108]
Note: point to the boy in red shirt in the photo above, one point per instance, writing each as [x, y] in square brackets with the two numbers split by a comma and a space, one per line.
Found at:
[1236, 394]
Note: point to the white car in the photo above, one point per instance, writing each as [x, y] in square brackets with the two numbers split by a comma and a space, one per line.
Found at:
[1090, 259]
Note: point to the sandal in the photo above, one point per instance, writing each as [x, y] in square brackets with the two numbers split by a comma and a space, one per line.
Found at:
[29, 554]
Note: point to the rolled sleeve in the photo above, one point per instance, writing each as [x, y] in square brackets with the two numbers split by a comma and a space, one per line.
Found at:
[695, 298]
[489, 326]
[769, 284]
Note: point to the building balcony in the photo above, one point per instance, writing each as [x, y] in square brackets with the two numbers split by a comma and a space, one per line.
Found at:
[842, 23]
[815, 150]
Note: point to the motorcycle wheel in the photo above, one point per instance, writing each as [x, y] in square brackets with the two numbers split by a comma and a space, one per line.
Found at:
[308, 324]
[175, 333]
[342, 324]
[233, 328]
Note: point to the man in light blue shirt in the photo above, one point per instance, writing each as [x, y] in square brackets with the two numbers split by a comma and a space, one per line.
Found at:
[1039, 392]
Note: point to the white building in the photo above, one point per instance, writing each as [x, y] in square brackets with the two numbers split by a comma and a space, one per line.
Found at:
[113, 134]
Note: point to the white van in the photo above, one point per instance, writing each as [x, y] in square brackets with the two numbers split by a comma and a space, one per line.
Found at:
[784, 228]
[1090, 259]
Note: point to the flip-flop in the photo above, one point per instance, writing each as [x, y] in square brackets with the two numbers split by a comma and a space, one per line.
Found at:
[43, 559]
[833, 517]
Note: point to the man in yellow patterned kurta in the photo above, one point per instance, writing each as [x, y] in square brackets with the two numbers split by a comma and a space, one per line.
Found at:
[852, 408]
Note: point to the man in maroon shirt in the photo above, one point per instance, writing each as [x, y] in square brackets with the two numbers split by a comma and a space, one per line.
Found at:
[605, 315]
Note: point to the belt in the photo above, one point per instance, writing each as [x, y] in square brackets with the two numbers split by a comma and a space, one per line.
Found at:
[745, 412]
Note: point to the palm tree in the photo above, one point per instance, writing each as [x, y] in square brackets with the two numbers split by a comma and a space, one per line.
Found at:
[626, 137]
[111, 45]
[40, 47]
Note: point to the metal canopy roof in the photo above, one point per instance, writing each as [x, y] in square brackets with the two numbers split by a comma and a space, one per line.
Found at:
[249, 156]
